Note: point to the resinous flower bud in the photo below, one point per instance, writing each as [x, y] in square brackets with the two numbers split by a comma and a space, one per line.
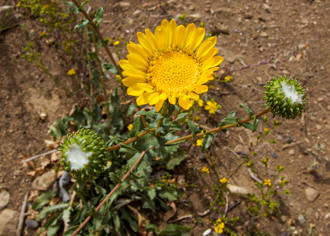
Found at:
[84, 154]
[285, 97]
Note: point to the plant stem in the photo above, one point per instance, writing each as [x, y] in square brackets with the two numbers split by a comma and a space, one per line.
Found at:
[105, 94]
[218, 128]
[131, 140]
[83, 224]
[97, 31]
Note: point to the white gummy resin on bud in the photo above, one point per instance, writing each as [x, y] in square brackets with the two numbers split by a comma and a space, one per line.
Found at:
[290, 92]
[77, 157]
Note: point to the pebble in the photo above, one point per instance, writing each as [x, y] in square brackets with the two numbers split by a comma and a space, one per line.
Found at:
[263, 35]
[31, 224]
[311, 194]
[327, 216]
[292, 152]
[195, 16]
[8, 222]
[238, 189]
[240, 149]
[124, 5]
[4, 199]
[44, 181]
[301, 220]
[137, 12]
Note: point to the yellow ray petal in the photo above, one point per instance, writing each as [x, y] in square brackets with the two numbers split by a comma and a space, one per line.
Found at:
[134, 90]
[159, 105]
[142, 38]
[130, 81]
[172, 99]
[162, 36]
[134, 48]
[185, 102]
[172, 28]
[141, 100]
[180, 36]
[211, 62]
[211, 53]
[138, 61]
[206, 46]
[151, 39]
[191, 28]
[201, 89]
[207, 75]
[198, 38]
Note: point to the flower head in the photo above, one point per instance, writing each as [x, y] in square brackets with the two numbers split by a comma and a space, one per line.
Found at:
[267, 182]
[219, 226]
[205, 170]
[71, 72]
[223, 180]
[285, 97]
[84, 154]
[172, 64]
[199, 142]
[130, 127]
[212, 106]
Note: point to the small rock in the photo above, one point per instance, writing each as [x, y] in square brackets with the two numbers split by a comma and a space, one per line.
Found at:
[124, 5]
[196, 16]
[240, 149]
[274, 155]
[237, 189]
[292, 152]
[31, 224]
[301, 220]
[327, 216]
[7, 17]
[44, 181]
[311, 194]
[4, 199]
[8, 222]
[224, 11]
[263, 35]
[284, 219]
[137, 12]
[42, 116]
[207, 232]
[267, 8]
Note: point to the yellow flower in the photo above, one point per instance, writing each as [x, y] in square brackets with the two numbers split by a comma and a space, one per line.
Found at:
[71, 72]
[267, 182]
[129, 127]
[116, 43]
[197, 117]
[223, 180]
[199, 142]
[200, 102]
[172, 64]
[205, 170]
[43, 34]
[219, 226]
[228, 78]
[249, 164]
[212, 106]
[266, 131]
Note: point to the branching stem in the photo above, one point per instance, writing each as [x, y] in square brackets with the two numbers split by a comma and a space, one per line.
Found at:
[83, 224]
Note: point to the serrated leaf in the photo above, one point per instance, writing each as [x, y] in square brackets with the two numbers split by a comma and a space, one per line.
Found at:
[151, 193]
[175, 160]
[174, 230]
[50, 209]
[42, 200]
[171, 196]
[247, 109]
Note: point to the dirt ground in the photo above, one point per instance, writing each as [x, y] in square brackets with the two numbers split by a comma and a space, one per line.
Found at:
[249, 32]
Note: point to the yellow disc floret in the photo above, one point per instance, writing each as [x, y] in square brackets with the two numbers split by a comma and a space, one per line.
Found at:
[172, 64]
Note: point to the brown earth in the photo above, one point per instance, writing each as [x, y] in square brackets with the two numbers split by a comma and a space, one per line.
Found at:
[249, 32]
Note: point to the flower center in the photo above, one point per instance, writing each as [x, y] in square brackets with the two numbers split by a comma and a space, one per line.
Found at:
[173, 72]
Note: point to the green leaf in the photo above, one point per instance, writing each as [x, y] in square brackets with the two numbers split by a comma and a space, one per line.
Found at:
[151, 193]
[98, 16]
[250, 126]
[229, 119]
[181, 116]
[171, 196]
[175, 230]
[42, 200]
[131, 109]
[207, 141]
[50, 209]
[248, 109]
[175, 159]
[193, 127]
[110, 67]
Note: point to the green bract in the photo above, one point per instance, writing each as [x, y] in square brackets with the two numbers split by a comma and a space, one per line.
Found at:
[84, 154]
[285, 97]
